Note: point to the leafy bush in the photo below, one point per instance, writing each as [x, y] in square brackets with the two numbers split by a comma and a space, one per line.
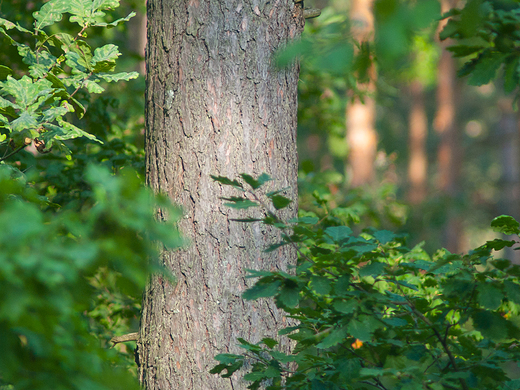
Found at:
[373, 313]
[33, 107]
[47, 264]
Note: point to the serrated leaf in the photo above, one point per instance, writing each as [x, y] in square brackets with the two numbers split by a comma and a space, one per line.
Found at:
[262, 290]
[395, 321]
[384, 236]
[280, 202]
[270, 372]
[334, 338]
[373, 268]
[345, 307]
[492, 325]
[308, 220]
[287, 330]
[240, 203]
[485, 67]
[338, 233]
[362, 327]
[512, 291]
[489, 296]
[250, 180]
[228, 358]
[227, 182]
[321, 284]
[289, 296]
[511, 75]
[271, 343]
[505, 224]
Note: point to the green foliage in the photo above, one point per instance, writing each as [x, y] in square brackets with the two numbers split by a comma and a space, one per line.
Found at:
[48, 264]
[34, 107]
[78, 242]
[488, 37]
[374, 313]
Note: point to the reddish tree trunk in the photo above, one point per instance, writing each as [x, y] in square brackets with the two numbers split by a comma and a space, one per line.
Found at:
[360, 116]
[449, 154]
[418, 128]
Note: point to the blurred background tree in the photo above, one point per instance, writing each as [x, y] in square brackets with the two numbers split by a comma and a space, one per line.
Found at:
[447, 151]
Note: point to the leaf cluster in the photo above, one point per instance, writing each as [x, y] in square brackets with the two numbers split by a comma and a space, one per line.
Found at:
[373, 313]
[50, 266]
[488, 36]
[34, 106]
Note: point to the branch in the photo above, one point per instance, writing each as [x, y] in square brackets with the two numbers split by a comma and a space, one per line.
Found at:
[13, 152]
[126, 337]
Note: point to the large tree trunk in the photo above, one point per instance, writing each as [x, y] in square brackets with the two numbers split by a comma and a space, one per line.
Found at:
[215, 105]
[361, 116]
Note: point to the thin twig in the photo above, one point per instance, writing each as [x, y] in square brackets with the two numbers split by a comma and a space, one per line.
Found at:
[13, 152]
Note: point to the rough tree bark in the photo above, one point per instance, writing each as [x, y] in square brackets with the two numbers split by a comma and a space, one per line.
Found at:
[215, 105]
[361, 116]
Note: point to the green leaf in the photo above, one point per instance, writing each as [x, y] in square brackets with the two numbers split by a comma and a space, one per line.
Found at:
[308, 220]
[384, 236]
[338, 233]
[227, 182]
[256, 183]
[262, 290]
[280, 202]
[115, 22]
[50, 13]
[240, 203]
[321, 284]
[345, 307]
[485, 67]
[228, 358]
[270, 372]
[337, 336]
[489, 296]
[463, 50]
[492, 325]
[4, 72]
[363, 327]
[373, 268]
[511, 75]
[512, 291]
[498, 244]
[505, 224]
[114, 77]
[289, 296]
[271, 343]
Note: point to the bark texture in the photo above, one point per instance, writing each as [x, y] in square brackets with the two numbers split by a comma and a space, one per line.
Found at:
[215, 105]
